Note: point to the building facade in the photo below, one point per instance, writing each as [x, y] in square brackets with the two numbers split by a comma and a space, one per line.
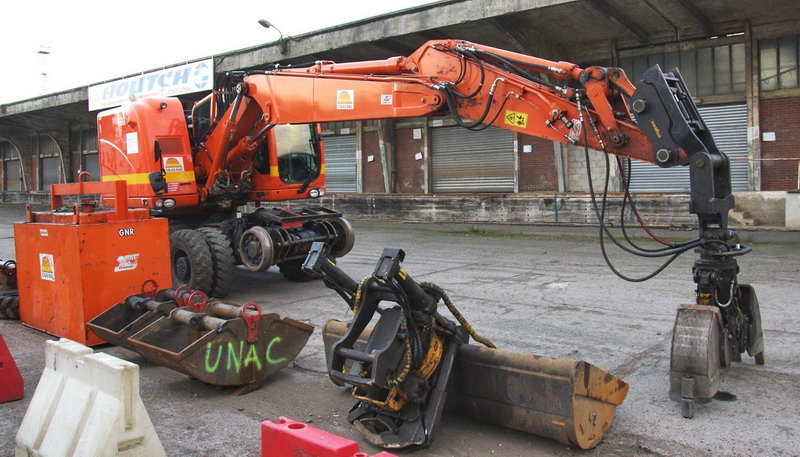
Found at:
[741, 66]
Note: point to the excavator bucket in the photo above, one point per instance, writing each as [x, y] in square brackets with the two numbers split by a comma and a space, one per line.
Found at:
[218, 343]
[703, 349]
[570, 401]
[136, 312]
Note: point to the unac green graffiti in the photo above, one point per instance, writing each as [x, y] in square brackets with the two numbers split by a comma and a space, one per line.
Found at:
[237, 358]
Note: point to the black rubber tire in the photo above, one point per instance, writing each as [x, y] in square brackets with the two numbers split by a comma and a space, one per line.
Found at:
[191, 260]
[9, 305]
[293, 271]
[227, 228]
[222, 258]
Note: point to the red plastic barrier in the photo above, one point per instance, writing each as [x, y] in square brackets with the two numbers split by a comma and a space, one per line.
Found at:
[289, 438]
[11, 387]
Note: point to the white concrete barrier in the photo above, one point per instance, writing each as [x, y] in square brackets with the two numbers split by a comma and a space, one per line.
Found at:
[86, 405]
[793, 210]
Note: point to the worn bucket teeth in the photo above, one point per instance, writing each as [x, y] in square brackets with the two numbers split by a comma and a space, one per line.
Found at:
[215, 343]
[570, 401]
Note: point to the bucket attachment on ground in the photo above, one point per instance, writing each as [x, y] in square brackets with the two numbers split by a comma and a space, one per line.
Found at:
[570, 401]
[289, 438]
[11, 386]
[705, 343]
[218, 343]
[86, 404]
[400, 399]
[136, 312]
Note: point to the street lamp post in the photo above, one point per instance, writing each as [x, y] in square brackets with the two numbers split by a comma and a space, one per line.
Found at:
[281, 41]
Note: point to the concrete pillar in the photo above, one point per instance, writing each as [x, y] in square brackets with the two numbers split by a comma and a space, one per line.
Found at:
[752, 96]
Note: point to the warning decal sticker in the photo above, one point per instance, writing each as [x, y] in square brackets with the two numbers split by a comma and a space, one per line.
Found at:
[127, 262]
[386, 99]
[576, 130]
[344, 99]
[47, 267]
[173, 164]
[516, 119]
[132, 143]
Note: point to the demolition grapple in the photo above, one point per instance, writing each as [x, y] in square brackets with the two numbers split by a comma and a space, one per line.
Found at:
[414, 362]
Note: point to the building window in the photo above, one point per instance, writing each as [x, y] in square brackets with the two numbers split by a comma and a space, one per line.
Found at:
[90, 160]
[778, 63]
[717, 70]
[89, 141]
[12, 169]
[49, 153]
[49, 172]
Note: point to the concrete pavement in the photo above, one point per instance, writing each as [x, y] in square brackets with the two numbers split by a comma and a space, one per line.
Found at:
[544, 290]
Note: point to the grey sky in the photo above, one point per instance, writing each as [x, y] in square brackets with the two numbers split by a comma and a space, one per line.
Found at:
[92, 40]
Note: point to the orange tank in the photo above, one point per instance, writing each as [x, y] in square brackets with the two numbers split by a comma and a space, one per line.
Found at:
[76, 263]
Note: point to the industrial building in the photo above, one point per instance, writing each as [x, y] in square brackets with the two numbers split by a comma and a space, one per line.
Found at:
[741, 63]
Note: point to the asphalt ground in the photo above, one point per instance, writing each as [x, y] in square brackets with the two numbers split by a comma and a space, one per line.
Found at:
[534, 289]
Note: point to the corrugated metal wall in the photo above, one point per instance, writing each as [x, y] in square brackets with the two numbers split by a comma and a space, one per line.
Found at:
[467, 161]
[728, 126]
[340, 164]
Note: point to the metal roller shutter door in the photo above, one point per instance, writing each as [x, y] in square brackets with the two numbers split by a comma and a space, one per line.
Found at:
[466, 161]
[340, 164]
[728, 126]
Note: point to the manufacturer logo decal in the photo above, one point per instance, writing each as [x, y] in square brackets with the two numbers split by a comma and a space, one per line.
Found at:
[173, 164]
[127, 262]
[344, 99]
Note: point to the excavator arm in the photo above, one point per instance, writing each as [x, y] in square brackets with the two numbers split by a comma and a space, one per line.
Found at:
[481, 86]
[595, 107]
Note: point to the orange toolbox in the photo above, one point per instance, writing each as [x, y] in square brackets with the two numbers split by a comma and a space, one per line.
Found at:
[75, 263]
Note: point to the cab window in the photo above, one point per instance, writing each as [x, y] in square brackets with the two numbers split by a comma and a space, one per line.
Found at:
[298, 157]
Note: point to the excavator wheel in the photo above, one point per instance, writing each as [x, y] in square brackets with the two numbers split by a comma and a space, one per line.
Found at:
[223, 260]
[192, 263]
[9, 305]
[293, 271]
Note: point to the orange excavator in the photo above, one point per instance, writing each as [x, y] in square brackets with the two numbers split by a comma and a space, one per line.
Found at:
[198, 170]
[400, 372]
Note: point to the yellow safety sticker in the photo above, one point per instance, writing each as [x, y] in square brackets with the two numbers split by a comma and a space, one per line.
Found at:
[47, 267]
[402, 273]
[656, 129]
[516, 118]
